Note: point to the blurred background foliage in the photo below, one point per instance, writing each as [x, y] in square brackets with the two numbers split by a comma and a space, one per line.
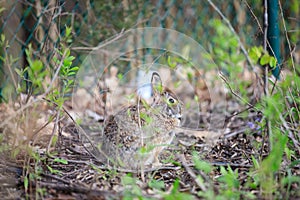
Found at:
[42, 24]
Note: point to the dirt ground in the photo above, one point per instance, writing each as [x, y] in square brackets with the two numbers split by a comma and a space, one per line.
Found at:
[71, 172]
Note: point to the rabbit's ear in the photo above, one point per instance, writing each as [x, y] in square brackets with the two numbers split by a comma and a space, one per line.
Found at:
[156, 84]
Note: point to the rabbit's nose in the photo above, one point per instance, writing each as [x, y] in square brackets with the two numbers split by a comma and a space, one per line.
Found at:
[178, 116]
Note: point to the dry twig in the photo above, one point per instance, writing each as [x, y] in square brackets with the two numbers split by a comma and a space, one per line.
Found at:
[191, 173]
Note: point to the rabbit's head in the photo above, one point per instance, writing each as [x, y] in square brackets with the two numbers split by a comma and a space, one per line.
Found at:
[165, 100]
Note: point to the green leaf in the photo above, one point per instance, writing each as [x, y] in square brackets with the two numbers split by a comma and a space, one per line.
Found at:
[70, 82]
[255, 53]
[171, 64]
[120, 76]
[223, 170]
[201, 165]
[272, 163]
[265, 59]
[32, 176]
[143, 150]
[68, 31]
[229, 177]
[290, 180]
[67, 63]
[156, 184]
[177, 84]
[146, 118]
[190, 76]
[71, 73]
[67, 53]
[128, 180]
[55, 138]
[55, 60]
[70, 58]
[60, 160]
[255, 162]
[196, 98]
[288, 153]
[2, 38]
[53, 171]
[175, 194]
[19, 72]
[294, 163]
[273, 62]
[186, 52]
[175, 186]
[74, 68]
[26, 183]
[37, 66]
[233, 42]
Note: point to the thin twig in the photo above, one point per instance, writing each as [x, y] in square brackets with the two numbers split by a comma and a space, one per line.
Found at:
[34, 135]
[287, 37]
[132, 170]
[56, 178]
[259, 25]
[27, 105]
[234, 93]
[235, 133]
[11, 72]
[142, 139]
[109, 41]
[294, 102]
[290, 49]
[56, 74]
[190, 172]
[256, 19]
[53, 131]
[230, 164]
[266, 70]
[233, 31]
[238, 113]
[296, 143]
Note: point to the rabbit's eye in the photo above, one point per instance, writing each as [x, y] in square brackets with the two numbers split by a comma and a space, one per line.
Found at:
[171, 100]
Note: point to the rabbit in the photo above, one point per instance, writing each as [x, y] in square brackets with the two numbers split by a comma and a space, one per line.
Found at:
[135, 136]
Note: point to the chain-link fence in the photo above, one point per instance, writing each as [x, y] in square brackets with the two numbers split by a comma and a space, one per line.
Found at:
[42, 24]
